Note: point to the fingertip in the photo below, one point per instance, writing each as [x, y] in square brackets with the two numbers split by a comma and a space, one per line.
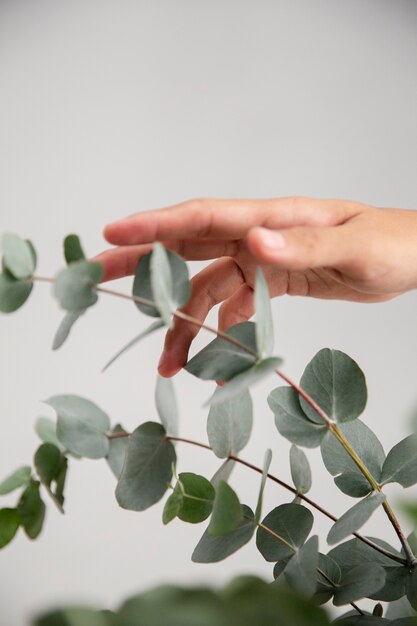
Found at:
[266, 244]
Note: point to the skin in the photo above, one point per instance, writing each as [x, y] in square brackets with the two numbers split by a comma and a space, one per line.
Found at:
[331, 249]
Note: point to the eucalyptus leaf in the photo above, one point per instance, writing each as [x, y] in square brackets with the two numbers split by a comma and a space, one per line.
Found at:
[147, 470]
[166, 405]
[291, 421]
[65, 327]
[117, 450]
[172, 506]
[337, 385]
[161, 283]
[18, 478]
[400, 466]
[18, 256]
[229, 425]
[81, 425]
[241, 382]
[360, 582]
[291, 522]
[31, 509]
[265, 470]
[47, 462]
[227, 511]
[9, 524]
[45, 428]
[73, 251]
[214, 548]
[13, 293]
[197, 497]
[329, 576]
[264, 323]
[223, 472]
[148, 331]
[300, 470]
[222, 360]
[74, 286]
[301, 571]
[354, 518]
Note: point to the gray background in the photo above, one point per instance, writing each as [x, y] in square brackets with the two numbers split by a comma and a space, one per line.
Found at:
[108, 108]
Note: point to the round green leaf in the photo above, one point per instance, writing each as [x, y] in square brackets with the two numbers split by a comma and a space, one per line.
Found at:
[400, 466]
[337, 385]
[227, 511]
[198, 495]
[300, 470]
[19, 478]
[301, 571]
[18, 256]
[9, 524]
[359, 582]
[47, 462]
[31, 509]
[13, 293]
[292, 522]
[74, 286]
[229, 425]
[291, 421]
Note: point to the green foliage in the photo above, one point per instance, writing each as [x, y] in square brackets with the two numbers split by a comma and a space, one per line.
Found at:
[73, 251]
[31, 509]
[400, 466]
[359, 582]
[300, 470]
[301, 571]
[45, 428]
[148, 331]
[18, 478]
[47, 462]
[13, 293]
[19, 257]
[9, 525]
[265, 470]
[264, 324]
[229, 425]
[166, 405]
[65, 328]
[74, 286]
[227, 511]
[197, 496]
[117, 450]
[291, 523]
[354, 518]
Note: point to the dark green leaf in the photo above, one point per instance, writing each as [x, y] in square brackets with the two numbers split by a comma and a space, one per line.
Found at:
[264, 324]
[181, 286]
[31, 509]
[265, 470]
[399, 609]
[301, 571]
[353, 484]
[337, 384]
[19, 478]
[148, 331]
[74, 286]
[241, 382]
[198, 495]
[73, 251]
[279, 567]
[354, 518]
[76, 616]
[401, 463]
[9, 524]
[360, 582]
[227, 511]
[300, 470]
[47, 462]
[45, 428]
[223, 473]
[81, 426]
[18, 256]
[378, 610]
[328, 577]
[147, 470]
[222, 360]
[291, 421]
[229, 425]
[166, 404]
[117, 451]
[65, 327]
[411, 589]
[13, 293]
[172, 506]
[291, 522]
[214, 548]
[60, 481]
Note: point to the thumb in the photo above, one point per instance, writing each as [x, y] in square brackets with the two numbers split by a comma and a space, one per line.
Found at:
[301, 248]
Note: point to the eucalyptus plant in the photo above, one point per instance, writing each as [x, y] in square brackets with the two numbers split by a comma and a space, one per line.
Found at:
[322, 410]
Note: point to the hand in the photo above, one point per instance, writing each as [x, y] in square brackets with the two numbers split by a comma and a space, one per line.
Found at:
[331, 249]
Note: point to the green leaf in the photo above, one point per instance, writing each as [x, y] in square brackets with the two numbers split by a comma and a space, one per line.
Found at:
[47, 462]
[399, 609]
[9, 524]
[337, 384]
[241, 382]
[292, 522]
[148, 331]
[147, 470]
[75, 616]
[19, 478]
[301, 571]
[360, 582]
[117, 451]
[161, 282]
[223, 473]
[65, 327]
[400, 466]
[354, 518]
[172, 507]
[265, 470]
[181, 286]
[328, 577]
[18, 256]
[411, 589]
[227, 511]
[214, 548]
[45, 428]
[74, 286]
[222, 360]
[300, 470]
[264, 323]
[337, 461]
[229, 425]
[166, 404]
[378, 610]
[31, 509]
[291, 421]
[197, 497]
[73, 251]
[81, 426]
[60, 481]
[13, 293]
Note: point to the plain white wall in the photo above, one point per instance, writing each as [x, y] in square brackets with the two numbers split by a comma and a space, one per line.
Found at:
[110, 107]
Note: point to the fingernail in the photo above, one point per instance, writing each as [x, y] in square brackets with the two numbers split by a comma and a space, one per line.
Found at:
[272, 239]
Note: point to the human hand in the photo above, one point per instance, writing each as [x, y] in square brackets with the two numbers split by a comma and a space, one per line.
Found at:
[332, 249]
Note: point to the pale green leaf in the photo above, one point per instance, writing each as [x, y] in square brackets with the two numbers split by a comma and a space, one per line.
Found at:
[300, 470]
[13, 293]
[161, 283]
[292, 523]
[147, 470]
[227, 511]
[265, 470]
[9, 524]
[45, 428]
[18, 256]
[291, 421]
[354, 518]
[74, 286]
[229, 425]
[301, 571]
[337, 384]
[73, 251]
[117, 451]
[400, 466]
[152, 328]
[19, 478]
[166, 404]
[65, 327]
[223, 472]
[264, 323]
